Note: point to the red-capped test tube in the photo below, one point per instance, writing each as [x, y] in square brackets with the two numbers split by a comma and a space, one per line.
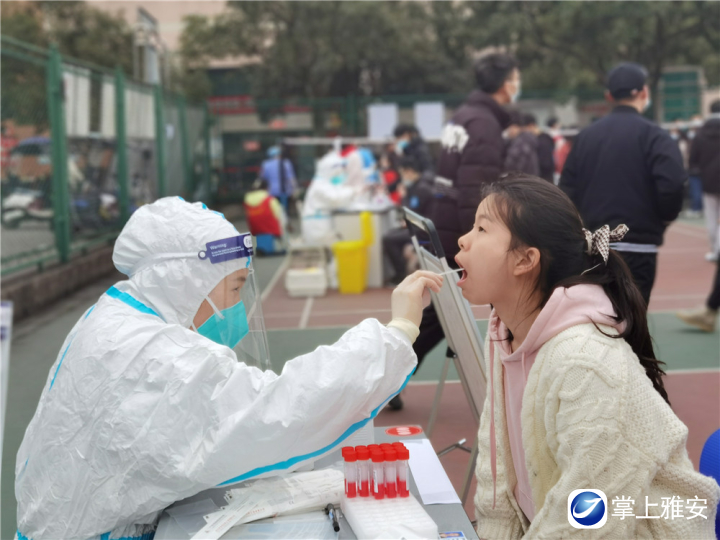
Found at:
[377, 482]
[390, 473]
[350, 458]
[403, 455]
[363, 469]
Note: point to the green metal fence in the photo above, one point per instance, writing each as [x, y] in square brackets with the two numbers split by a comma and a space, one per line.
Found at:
[82, 148]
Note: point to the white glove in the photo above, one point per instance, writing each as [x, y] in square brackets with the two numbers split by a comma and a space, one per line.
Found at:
[407, 298]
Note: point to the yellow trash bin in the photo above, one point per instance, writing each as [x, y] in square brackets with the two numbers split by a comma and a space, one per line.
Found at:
[352, 258]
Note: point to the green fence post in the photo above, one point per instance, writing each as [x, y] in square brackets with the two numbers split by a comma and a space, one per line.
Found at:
[121, 141]
[185, 148]
[160, 141]
[353, 114]
[60, 196]
[206, 159]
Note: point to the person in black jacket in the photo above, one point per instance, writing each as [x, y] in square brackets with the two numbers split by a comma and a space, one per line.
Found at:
[417, 196]
[473, 149]
[705, 162]
[626, 169]
[546, 152]
[408, 142]
[473, 153]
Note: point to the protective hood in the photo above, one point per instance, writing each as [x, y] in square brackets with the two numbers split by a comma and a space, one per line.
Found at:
[328, 190]
[159, 250]
[329, 167]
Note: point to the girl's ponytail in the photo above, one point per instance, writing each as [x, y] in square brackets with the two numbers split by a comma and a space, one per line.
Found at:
[630, 307]
[540, 215]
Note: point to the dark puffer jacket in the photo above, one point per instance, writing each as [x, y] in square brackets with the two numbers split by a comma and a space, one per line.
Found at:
[472, 155]
[705, 156]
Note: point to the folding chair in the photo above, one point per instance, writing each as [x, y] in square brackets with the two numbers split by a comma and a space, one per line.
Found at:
[460, 328]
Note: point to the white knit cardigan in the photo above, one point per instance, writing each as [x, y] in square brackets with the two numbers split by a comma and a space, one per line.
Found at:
[590, 419]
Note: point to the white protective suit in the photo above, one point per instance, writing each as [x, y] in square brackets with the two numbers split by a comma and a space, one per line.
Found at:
[328, 191]
[139, 411]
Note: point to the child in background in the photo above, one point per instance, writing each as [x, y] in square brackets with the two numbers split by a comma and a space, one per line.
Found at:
[575, 393]
[264, 212]
[416, 195]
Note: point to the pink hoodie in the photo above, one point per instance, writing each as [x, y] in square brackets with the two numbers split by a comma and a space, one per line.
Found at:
[580, 304]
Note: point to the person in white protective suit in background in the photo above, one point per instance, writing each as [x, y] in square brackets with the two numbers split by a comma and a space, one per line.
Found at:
[153, 396]
[328, 191]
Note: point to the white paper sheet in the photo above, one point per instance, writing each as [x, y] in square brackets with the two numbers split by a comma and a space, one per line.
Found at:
[430, 477]
[430, 119]
[382, 119]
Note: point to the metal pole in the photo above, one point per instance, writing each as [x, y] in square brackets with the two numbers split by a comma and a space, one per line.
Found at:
[187, 164]
[121, 142]
[60, 196]
[160, 140]
[207, 159]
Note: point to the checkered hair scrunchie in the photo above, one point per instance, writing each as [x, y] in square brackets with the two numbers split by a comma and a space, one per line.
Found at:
[598, 243]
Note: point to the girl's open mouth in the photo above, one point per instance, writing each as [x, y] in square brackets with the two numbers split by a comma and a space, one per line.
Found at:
[463, 277]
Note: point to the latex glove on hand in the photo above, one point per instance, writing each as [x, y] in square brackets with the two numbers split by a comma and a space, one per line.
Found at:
[407, 298]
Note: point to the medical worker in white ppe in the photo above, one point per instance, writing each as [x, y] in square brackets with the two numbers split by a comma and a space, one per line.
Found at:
[157, 392]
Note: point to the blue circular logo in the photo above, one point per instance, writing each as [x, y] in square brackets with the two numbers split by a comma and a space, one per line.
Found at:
[587, 508]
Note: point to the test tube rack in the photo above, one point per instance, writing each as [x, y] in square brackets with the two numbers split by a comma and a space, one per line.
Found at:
[371, 518]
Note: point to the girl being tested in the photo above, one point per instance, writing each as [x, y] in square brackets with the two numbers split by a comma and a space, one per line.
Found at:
[575, 393]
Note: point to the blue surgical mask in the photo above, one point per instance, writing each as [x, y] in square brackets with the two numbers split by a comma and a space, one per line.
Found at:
[226, 327]
[400, 146]
[518, 92]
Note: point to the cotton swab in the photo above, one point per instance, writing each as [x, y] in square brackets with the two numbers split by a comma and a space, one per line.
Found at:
[450, 272]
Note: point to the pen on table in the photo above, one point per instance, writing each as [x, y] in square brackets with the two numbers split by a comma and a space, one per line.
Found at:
[332, 515]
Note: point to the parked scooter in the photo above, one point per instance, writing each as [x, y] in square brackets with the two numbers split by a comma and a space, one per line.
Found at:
[25, 205]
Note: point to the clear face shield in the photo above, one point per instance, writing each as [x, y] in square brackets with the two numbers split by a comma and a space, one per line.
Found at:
[231, 314]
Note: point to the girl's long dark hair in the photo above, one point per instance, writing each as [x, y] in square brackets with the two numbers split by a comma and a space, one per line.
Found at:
[538, 214]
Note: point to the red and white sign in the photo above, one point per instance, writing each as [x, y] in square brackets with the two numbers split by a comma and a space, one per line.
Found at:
[251, 146]
[404, 431]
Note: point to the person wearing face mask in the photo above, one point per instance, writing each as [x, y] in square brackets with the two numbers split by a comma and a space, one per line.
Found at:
[408, 142]
[625, 168]
[473, 154]
[417, 196]
[163, 388]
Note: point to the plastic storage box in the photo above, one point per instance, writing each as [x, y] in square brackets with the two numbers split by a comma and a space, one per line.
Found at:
[307, 274]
